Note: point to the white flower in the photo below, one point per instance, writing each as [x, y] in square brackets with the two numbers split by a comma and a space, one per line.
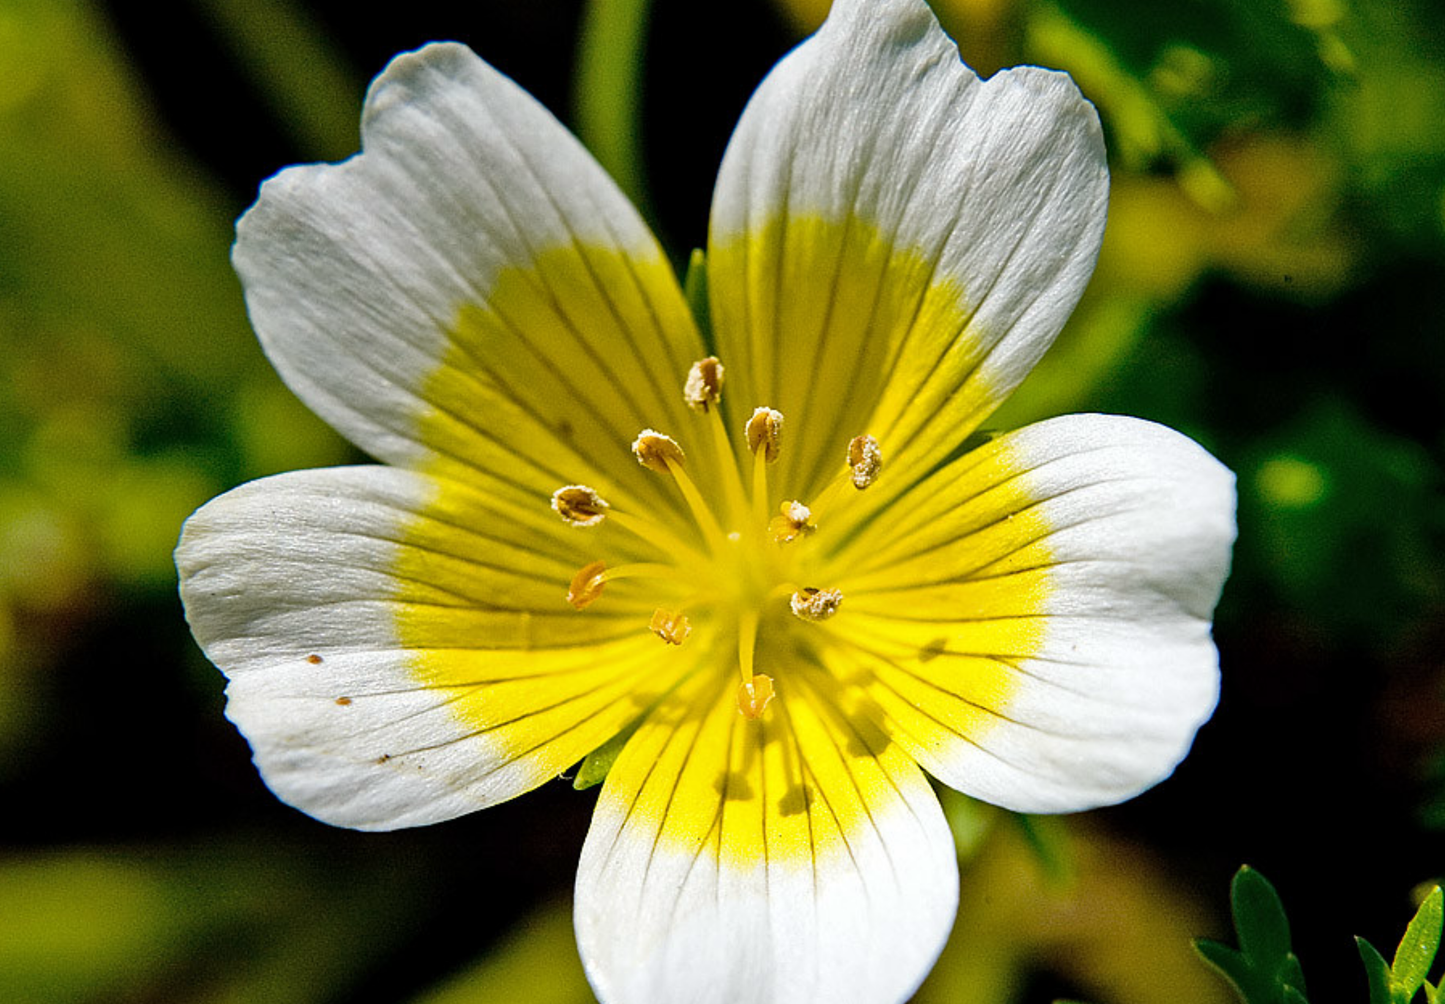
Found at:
[893, 244]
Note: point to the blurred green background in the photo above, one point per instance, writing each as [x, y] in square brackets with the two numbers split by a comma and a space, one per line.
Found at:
[1272, 283]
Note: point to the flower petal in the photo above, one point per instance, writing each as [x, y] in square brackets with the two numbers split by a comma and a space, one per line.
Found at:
[471, 291]
[395, 656]
[1032, 622]
[894, 242]
[792, 859]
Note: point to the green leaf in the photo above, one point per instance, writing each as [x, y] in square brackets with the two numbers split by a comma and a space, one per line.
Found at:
[1377, 971]
[1263, 970]
[1259, 918]
[1249, 984]
[1418, 947]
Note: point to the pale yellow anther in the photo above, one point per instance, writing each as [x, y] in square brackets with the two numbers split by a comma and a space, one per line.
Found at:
[816, 604]
[579, 505]
[865, 459]
[793, 520]
[671, 626]
[655, 451]
[765, 432]
[704, 384]
[754, 695]
[587, 585]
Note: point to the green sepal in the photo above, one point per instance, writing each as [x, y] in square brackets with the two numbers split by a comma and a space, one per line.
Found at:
[596, 764]
[1377, 972]
[694, 288]
[1417, 949]
[1048, 838]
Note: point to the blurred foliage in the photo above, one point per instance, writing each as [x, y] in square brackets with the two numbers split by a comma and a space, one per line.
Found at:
[1271, 283]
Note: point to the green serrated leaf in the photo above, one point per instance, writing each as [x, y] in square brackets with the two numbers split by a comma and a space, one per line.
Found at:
[1432, 992]
[1290, 995]
[1418, 947]
[1260, 920]
[1377, 972]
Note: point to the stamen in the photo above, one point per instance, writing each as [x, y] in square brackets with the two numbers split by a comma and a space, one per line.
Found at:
[580, 505]
[865, 460]
[661, 453]
[764, 434]
[793, 521]
[816, 604]
[656, 451]
[704, 384]
[670, 625]
[765, 431]
[587, 585]
[754, 695]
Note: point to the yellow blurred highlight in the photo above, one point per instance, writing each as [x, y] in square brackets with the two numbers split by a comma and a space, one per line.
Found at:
[276, 432]
[536, 963]
[1279, 235]
[76, 925]
[1120, 929]
[1291, 483]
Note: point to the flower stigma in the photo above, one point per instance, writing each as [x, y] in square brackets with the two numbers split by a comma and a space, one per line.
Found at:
[734, 574]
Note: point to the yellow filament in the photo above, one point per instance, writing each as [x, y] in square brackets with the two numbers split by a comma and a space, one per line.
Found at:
[732, 479]
[760, 489]
[747, 642]
[711, 530]
[642, 570]
[657, 534]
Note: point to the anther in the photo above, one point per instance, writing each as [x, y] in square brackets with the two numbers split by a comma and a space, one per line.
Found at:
[793, 520]
[671, 626]
[587, 585]
[764, 432]
[579, 505]
[865, 459]
[754, 695]
[704, 384]
[816, 604]
[656, 451]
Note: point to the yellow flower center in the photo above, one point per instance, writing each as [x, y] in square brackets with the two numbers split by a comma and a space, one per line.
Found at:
[752, 576]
